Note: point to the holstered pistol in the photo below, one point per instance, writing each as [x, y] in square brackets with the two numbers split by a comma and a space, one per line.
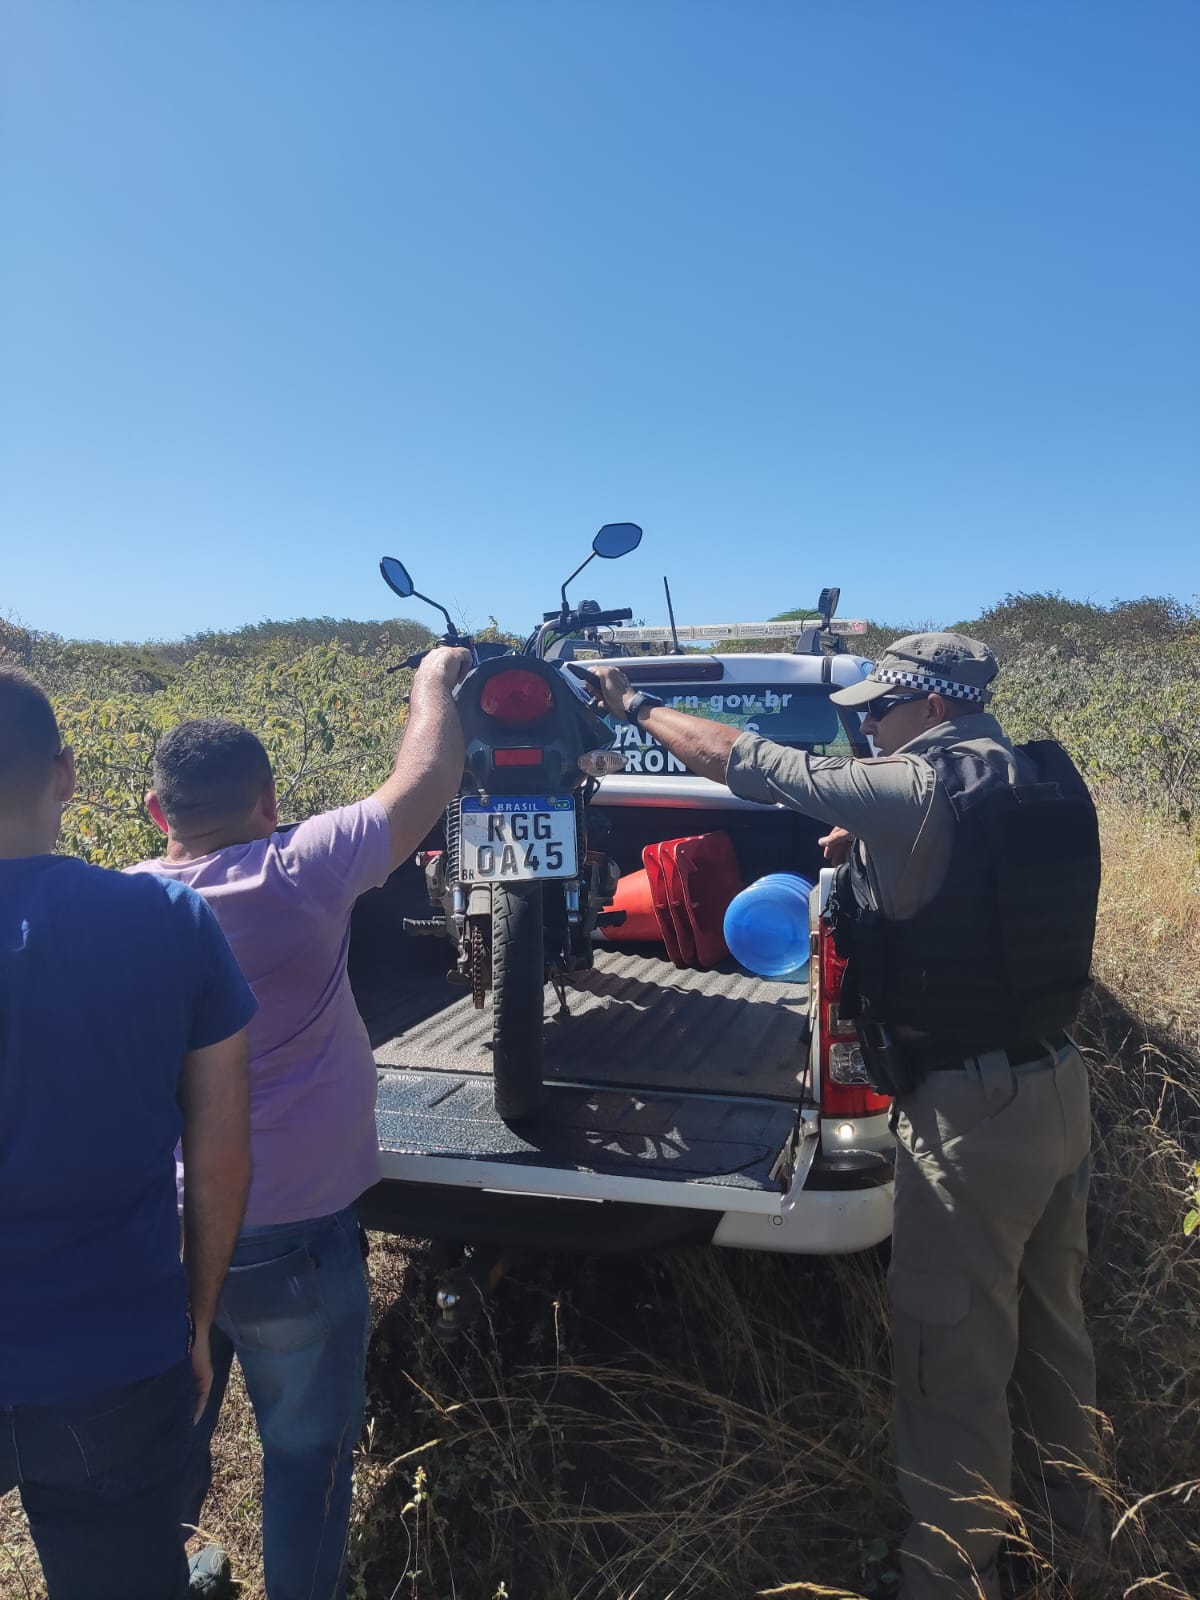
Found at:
[884, 1060]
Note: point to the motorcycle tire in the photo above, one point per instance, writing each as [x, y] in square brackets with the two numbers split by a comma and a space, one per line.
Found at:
[518, 1000]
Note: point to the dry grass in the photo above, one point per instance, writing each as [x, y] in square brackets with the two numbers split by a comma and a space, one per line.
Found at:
[1148, 949]
[713, 1425]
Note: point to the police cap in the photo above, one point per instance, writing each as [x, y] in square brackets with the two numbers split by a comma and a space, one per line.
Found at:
[948, 664]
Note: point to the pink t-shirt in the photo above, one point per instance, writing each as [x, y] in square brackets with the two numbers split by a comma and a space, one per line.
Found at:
[284, 904]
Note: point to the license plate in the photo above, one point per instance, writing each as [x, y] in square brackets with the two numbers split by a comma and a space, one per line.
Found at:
[508, 840]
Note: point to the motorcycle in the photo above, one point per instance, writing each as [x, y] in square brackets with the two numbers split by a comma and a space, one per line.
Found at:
[520, 886]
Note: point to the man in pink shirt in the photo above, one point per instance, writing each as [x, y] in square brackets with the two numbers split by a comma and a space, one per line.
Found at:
[295, 1308]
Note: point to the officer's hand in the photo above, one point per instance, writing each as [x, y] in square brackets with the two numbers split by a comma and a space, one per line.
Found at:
[446, 666]
[837, 845]
[613, 685]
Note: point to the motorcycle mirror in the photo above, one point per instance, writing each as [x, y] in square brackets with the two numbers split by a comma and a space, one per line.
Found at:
[617, 539]
[395, 575]
[614, 539]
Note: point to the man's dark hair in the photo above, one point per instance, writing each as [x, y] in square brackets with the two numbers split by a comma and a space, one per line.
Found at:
[29, 738]
[209, 768]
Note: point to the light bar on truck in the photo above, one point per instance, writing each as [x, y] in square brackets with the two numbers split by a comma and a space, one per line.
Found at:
[737, 630]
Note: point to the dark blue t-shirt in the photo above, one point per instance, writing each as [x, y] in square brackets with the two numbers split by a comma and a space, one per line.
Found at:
[106, 983]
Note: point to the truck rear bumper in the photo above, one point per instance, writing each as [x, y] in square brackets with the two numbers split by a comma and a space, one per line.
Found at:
[821, 1222]
[610, 1171]
[532, 1222]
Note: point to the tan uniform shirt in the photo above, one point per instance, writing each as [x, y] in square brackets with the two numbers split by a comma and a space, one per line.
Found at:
[892, 804]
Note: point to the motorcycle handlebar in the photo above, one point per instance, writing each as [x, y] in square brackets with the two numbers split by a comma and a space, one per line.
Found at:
[589, 619]
[589, 681]
[602, 619]
[411, 664]
[461, 641]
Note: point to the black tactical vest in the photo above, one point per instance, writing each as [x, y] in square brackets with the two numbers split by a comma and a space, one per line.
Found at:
[1003, 950]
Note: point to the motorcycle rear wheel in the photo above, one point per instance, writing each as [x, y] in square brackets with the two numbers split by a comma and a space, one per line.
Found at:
[518, 1000]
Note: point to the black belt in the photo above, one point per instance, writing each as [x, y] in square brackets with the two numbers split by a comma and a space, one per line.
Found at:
[932, 1055]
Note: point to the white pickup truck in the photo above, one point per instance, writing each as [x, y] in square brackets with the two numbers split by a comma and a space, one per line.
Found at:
[682, 1105]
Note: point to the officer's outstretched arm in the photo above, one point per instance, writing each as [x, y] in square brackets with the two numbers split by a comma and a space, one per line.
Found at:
[874, 798]
[701, 745]
[869, 798]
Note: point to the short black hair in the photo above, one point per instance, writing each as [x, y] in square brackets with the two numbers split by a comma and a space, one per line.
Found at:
[29, 737]
[209, 768]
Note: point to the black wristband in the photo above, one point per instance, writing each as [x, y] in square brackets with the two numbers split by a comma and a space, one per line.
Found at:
[639, 703]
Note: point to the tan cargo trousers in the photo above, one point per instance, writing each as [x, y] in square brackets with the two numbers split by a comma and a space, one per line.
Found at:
[988, 1251]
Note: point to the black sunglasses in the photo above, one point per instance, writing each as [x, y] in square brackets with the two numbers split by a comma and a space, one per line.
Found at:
[878, 708]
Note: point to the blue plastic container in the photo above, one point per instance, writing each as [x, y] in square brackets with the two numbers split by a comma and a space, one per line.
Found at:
[766, 926]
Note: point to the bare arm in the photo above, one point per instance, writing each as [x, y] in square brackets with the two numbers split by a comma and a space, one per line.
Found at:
[215, 1097]
[429, 763]
[702, 746]
[836, 845]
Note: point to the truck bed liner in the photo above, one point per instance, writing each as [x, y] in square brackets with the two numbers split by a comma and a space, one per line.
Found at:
[634, 1021]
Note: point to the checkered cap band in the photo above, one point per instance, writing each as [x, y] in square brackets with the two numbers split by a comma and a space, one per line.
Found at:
[922, 680]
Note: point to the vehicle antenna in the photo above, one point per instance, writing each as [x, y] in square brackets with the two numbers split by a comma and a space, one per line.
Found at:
[675, 650]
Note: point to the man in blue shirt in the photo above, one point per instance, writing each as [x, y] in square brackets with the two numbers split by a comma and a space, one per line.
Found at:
[122, 1031]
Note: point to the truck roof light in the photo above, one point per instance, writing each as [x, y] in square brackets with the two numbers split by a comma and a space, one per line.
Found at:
[705, 631]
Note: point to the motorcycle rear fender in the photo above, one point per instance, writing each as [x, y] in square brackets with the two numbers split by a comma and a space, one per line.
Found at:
[562, 735]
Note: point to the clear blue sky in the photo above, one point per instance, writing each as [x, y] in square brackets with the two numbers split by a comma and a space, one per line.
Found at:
[897, 294]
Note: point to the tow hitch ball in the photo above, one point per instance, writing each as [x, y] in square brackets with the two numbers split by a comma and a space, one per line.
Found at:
[462, 1291]
[449, 1304]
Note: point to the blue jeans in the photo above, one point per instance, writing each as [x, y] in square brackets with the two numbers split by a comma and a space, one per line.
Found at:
[100, 1482]
[295, 1310]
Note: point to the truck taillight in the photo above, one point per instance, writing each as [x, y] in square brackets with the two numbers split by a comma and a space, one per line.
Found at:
[845, 1088]
[516, 697]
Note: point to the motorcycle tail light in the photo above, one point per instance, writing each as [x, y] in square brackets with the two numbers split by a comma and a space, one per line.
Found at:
[516, 697]
[520, 757]
[597, 763]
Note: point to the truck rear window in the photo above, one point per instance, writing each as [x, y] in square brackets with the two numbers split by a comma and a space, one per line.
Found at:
[802, 717]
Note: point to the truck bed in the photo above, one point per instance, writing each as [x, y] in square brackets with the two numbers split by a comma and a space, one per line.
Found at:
[635, 1021]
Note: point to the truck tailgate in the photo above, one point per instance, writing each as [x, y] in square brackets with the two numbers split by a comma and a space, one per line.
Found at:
[437, 1127]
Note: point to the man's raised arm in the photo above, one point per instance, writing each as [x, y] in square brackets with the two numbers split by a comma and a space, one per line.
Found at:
[429, 763]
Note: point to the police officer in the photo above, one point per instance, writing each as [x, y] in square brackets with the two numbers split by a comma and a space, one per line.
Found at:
[965, 902]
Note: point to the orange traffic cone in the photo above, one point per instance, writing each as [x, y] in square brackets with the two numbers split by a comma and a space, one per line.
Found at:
[633, 897]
